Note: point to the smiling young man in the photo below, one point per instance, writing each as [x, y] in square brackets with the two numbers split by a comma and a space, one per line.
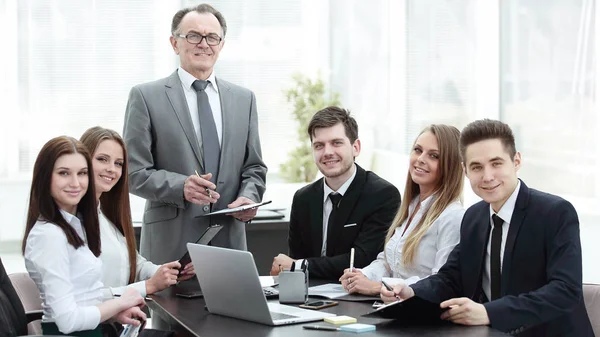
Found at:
[193, 121]
[348, 208]
[518, 264]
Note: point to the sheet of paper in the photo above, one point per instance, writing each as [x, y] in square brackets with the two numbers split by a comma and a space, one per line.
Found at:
[336, 291]
[268, 281]
[328, 290]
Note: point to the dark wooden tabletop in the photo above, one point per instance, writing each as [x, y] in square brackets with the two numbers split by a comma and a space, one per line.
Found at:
[189, 317]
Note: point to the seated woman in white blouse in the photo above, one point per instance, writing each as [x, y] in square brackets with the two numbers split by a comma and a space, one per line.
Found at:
[61, 245]
[427, 226]
[122, 265]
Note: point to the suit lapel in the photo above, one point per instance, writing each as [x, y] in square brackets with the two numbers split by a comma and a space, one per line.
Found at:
[346, 206]
[316, 217]
[227, 115]
[176, 97]
[516, 221]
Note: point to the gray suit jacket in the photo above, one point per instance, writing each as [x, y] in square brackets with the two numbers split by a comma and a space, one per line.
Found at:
[163, 150]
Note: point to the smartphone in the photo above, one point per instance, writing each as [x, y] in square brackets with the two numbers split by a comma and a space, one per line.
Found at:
[189, 294]
[204, 239]
[132, 331]
[316, 305]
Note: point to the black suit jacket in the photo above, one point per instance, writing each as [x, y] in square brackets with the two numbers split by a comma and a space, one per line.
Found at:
[541, 270]
[370, 202]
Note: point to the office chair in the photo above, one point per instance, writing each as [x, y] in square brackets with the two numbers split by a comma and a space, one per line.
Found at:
[30, 298]
[13, 319]
[591, 297]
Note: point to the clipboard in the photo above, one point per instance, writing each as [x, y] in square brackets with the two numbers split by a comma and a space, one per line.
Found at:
[204, 239]
[238, 209]
[415, 310]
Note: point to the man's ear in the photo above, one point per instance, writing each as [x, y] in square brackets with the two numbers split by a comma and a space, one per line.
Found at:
[517, 161]
[356, 148]
[464, 168]
[173, 41]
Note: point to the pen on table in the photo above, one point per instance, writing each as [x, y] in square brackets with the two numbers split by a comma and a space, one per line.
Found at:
[207, 189]
[387, 286]
[320, 327]
[351, 259]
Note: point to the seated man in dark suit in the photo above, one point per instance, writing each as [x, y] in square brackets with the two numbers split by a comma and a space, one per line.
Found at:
[518, 264]
[348, 208]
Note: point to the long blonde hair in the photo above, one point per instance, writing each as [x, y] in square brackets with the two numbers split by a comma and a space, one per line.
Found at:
[449, 190]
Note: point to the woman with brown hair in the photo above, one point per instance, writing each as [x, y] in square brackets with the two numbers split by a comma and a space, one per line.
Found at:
[122, 265]
[61, 244]
[427, 226]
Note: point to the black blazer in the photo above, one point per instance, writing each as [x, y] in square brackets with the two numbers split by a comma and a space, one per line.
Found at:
[370, 202]
[541, 270]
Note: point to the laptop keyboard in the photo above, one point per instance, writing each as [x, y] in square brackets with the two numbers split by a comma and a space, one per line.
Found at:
[279, 315]
[270, 292]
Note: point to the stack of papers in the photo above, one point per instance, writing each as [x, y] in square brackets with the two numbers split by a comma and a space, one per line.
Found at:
[358, 327]
[337, 320]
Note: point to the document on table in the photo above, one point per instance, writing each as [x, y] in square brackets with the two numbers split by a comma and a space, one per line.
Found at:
[336, 291]
[268, 281]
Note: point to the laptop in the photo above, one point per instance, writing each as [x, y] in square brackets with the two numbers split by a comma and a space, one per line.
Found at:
[231, 287]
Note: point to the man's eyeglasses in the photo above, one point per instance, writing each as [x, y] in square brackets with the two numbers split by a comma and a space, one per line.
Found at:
[193, 38]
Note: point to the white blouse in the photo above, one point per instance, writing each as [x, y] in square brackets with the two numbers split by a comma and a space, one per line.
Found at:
[68, 279]
[115, 262]
[432, 252]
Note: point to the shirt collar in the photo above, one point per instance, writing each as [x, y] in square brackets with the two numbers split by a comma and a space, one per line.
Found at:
[74, 221]
[424, 204]
[342, 190]
[506, 211]
[187, 79]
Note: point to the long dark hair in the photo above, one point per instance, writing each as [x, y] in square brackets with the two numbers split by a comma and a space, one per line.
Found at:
[42, 205]
[115, 203]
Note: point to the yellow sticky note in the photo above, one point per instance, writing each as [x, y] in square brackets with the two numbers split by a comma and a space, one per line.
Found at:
[337, 320]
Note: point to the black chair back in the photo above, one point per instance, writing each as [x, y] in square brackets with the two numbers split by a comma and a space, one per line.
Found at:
[13, 321]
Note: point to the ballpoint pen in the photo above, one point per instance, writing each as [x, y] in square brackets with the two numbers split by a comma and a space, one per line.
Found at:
[352, 259]
[387, 286]
[207, 189]
[320, 327]
[145, 298]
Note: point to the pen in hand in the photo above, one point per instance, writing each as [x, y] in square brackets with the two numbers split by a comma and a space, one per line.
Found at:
[387, 286]
[207, 189]
[352, 259]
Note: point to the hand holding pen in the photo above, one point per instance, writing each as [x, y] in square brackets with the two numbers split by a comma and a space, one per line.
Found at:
[198, 189]
[398, 293]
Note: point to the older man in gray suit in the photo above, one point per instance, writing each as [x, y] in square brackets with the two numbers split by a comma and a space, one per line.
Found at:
[193, 122]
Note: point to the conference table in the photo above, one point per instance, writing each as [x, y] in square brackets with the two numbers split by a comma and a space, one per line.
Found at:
[188, 317]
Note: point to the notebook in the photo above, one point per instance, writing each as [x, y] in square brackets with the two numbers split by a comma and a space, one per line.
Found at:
[231, 287]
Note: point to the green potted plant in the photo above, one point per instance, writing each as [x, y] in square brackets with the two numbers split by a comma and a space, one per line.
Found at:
[307, 96]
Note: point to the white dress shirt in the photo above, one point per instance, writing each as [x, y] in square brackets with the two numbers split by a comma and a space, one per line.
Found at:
[328, 206]
[505, 213]
[212, 91]
[432, 252]
[68, 279]
[115, 262]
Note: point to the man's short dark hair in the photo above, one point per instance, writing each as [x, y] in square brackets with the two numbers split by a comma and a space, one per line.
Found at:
[331, 116]
[485, 129]
[201, 8]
